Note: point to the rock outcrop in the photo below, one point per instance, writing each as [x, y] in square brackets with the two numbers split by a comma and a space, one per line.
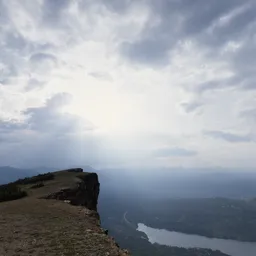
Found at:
[84, 192]
[67, 225]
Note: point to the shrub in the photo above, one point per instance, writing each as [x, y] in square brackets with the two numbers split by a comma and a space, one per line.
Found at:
[11, 192]
[35, 179]
[75, 170]
[38, 185]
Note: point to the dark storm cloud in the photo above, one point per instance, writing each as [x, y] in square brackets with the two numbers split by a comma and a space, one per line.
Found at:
[205, 13]
[238, 25]
[229, 137]
[204, 23]
[174, 152]
[185, 19]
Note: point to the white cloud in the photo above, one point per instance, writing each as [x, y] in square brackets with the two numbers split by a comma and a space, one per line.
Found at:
[140, 81]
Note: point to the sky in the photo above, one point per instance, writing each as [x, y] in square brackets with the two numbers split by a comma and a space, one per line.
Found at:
[128, 83]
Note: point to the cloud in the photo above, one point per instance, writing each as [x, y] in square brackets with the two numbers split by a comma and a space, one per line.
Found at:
[229, 137]
[191, 106]
[39, 57]
[108, 82]
[174, 152]
[34, 83]
[9, 126]
[173, 21]
[147, 51]
[43, 62]
[101, 75]
[249, 114]
[53, 10]
[49, 118]
[48, 135]
[222, 31]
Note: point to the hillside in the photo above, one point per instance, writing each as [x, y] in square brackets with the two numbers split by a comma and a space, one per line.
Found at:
[38, 224]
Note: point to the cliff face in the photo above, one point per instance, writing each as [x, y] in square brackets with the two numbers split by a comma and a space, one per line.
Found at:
[68, 225]
[84, 192]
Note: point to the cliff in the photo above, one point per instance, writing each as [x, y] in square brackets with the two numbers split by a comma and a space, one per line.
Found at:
[57, 217]
[83, 191]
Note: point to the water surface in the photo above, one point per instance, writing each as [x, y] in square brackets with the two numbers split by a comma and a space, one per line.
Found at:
[170, 238]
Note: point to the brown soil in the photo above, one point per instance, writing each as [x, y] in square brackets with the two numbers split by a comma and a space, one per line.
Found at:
[32, 226]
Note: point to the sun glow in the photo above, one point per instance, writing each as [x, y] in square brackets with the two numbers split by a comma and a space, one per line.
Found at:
[107, 109]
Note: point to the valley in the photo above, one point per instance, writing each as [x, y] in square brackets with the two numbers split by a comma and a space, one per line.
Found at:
[153, 220]
[191, 226]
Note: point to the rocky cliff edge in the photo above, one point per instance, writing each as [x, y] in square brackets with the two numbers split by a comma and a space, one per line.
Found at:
[57, 217]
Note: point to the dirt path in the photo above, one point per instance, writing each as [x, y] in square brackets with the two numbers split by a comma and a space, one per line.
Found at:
[48, 227]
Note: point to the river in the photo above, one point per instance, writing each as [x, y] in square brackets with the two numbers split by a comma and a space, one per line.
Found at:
[170, 238]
